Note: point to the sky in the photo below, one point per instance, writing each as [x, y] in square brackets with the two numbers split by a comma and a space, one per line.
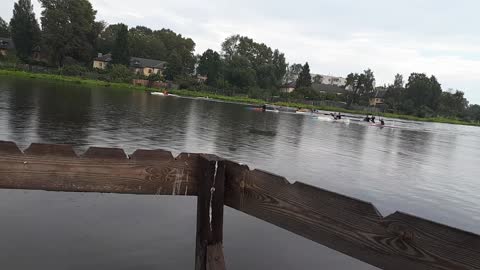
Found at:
[336, 37]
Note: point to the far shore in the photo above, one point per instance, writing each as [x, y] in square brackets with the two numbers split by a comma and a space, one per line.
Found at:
[213, 96]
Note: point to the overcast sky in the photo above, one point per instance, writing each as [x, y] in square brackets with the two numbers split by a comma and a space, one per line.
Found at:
[336, 37]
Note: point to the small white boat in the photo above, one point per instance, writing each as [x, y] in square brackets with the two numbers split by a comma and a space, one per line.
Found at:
[163, 94]
[274, 111]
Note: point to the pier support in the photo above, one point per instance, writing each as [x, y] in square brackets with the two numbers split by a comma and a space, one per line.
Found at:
[211, 187]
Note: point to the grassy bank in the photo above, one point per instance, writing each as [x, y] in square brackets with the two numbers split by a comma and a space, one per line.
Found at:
[236, 99]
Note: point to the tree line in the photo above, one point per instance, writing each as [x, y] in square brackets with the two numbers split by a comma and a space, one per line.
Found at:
[70, 33]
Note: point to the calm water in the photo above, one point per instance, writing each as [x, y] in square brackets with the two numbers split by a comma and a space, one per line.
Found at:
[430, 170]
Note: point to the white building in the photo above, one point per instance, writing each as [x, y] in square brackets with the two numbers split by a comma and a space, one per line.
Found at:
[331, 80]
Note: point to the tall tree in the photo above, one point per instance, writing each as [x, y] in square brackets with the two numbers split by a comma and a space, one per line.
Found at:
[210, 65]
[398, 82]
[24, 27]
[360, 86]
[69, 29]
[106, 39]
[120, 52]
[423, 91]
[317, 79]
[292, 73]
[304, 78]
[4, 29]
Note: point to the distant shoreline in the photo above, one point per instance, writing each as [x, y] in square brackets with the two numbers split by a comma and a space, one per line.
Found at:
[213, 96]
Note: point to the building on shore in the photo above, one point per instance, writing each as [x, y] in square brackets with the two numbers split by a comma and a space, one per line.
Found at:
[378, 99]
[6, 45]
[329, 80]
[138, 65]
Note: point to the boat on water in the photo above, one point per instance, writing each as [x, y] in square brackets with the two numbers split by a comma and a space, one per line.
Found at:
[331, 119]
[303, 111]
[163, 94]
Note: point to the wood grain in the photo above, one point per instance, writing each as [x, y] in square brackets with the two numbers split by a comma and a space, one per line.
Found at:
[51, 169]
[215, 258]
[349, 225]
[210, 203]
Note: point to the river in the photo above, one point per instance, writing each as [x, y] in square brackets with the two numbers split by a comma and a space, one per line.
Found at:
[426, 169]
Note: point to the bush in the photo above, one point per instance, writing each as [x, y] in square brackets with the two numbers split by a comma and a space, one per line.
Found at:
[120, 73]
[155, 77]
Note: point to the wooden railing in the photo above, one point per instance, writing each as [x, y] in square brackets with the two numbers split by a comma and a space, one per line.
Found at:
[353, 227]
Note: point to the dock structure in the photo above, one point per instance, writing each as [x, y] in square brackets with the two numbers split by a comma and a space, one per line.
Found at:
[348, 225]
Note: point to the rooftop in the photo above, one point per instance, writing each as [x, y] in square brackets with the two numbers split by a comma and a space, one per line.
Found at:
[149, 63]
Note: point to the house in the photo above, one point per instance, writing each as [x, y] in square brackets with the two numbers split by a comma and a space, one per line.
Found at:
[331, 80]
[329, 89]
[6, 44]
[147, 66]
[288, 87]
[138, 65]
[102, 61]
[378, 97]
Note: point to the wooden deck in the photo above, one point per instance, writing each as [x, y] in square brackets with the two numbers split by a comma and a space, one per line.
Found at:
[351, 226]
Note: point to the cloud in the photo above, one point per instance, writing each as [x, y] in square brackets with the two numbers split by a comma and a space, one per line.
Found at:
[335, 37]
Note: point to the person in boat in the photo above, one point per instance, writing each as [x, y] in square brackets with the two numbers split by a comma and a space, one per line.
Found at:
[367, 118]
[333, 115]
[382, 123]
[264, 108]
[373, 119]
[339, 116]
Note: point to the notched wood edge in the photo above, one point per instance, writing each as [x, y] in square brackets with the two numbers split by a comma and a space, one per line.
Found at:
[368, 205]
[410, 222]
[157, 154]
[105, 153]
[56, 150]
[11, 148]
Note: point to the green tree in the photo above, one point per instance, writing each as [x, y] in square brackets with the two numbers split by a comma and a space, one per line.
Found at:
[120, 53]
[292, 73]
[360, 86]
[210, 65]
[106, 39]
[269, 66]
[452, 104]
[395, 95]
[69, 29]
[423, 91]
[317, 79]
[398, 82]
[4, 28]
[304, 78]
[240, 73]
[24, 28]
[174, 66]
[473, 113]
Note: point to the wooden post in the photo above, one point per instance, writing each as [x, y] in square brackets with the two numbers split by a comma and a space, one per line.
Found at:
[211, 187]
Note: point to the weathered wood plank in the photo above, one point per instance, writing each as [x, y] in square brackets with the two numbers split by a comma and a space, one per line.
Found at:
[215, 258]
[105, 153]
[210, 204]
[9, 148]
[348, 225]
[59, 150]
[52, 170]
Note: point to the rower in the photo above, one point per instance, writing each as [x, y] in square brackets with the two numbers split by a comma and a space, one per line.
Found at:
[373, 119]
[367, 118]
[382, 123]
[264, 107]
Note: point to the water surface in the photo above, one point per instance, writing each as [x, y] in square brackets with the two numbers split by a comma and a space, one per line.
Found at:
[427, 169]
